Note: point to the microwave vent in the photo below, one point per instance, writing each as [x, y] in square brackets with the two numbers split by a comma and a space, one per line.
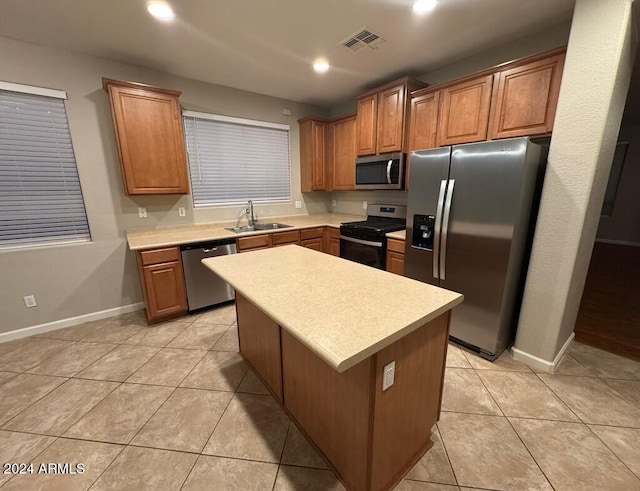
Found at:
[362, 38]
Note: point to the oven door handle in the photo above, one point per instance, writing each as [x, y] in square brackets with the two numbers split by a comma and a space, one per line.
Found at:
[360, 241]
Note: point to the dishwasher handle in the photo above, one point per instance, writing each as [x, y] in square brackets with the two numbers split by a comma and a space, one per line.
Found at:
[209, 249]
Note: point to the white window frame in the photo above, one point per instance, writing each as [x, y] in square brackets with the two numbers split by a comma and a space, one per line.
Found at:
[199, 201]
[33, 221]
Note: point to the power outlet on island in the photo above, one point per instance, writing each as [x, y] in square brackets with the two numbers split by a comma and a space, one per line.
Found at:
[388, 375]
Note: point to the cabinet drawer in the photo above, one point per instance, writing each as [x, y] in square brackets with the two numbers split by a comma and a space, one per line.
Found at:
[254, 241]
[312, 233]
[285, 237]
[395, 245]
[158, 256]
[334, 233]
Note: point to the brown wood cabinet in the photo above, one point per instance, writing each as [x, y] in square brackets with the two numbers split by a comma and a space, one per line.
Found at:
[149, 138]
[525, 98]
[517, 98]
[464, 112]
[285, 238]
[333, 239]
[391, 111]
[381, 118]
[313, 238]
[312, 154]
[395, 256]
[162, 280]
[341, 153]
[253, 242]
[366, 125]
[424, 121]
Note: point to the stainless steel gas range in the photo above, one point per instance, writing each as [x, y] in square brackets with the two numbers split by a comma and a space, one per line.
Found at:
[365, 241]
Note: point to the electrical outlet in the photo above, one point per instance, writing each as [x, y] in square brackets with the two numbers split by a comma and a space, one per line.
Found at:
[298, 204]
[388, 375]
[334, 202]
[29, 301]
[142, 212]
[181, 211]
[364, 205]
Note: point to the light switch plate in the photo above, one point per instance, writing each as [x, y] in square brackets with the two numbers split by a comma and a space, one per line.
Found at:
[142, 212]
[298, 204]
[181, 211]
[29, 301]
[388, 375]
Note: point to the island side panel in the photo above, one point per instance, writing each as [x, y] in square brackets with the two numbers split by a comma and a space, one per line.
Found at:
[332, 408]
[405, 413]
[259, 338]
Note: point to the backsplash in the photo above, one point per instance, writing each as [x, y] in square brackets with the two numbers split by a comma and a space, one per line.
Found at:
[350, 202]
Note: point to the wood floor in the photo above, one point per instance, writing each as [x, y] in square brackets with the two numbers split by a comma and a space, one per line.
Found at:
[609, 315]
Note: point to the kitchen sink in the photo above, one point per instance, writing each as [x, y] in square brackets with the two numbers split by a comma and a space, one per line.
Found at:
[257, 226]
[270, 226]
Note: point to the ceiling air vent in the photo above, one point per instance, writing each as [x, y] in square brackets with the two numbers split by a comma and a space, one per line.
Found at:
[363, 38]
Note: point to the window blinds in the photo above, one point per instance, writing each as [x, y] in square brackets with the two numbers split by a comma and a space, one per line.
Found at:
[40, 196]
[233, 160]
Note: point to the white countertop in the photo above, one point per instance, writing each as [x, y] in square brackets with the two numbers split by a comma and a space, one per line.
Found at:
[341, 310]
[189, 234]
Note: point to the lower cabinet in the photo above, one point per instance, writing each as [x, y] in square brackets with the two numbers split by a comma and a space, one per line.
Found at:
[162, 281]
[395, 256]
[333, 240]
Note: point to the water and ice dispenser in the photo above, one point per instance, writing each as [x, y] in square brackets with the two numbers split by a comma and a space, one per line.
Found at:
[423, 231]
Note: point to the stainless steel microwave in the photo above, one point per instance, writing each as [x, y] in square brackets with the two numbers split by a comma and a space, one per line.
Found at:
[384, 171]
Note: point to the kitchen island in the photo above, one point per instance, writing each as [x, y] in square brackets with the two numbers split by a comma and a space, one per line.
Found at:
[321, 332]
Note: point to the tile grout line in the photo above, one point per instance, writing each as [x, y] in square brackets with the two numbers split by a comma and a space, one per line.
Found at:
[517, 434]
[446, 453]
[560, 397]
[612, 451]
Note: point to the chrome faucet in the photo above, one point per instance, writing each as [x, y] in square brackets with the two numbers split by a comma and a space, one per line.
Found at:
[249, 211]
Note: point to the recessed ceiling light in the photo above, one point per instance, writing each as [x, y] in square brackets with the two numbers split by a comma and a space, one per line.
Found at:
[160, 10]
[424, 6]
[321, 66]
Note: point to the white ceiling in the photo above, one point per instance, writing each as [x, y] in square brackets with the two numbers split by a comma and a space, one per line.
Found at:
[267, 46]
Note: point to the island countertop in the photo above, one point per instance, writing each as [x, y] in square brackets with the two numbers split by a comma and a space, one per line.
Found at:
[341, 310]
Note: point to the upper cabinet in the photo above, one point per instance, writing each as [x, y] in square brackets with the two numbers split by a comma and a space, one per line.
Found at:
[149, 137]
[341, 153]
[366, 125]
[381, 118]
[423, 123]
[464, 112]
[525, 98]
[313, 170]
[518, 98]
[327, 153]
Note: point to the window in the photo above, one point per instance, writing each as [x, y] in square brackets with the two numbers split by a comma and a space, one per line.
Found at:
[233, 160]
[40, 196]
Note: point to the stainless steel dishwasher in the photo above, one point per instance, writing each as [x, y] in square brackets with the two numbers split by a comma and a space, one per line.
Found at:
[204, 287]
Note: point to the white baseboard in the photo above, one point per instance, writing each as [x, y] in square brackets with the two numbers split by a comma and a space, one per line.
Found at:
[71, 321]
[538, 363]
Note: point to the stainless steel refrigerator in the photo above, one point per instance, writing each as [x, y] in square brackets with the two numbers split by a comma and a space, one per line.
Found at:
[470, 220]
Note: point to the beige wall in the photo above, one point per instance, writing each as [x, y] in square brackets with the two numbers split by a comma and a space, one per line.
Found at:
[75, 280]
[592, 98]
[624, 223]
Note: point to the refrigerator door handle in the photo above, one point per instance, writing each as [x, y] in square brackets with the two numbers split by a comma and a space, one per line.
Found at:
[436, 238]
[445, 228]
[389, 164]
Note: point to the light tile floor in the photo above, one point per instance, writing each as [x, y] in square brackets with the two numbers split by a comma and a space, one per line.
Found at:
[173, 406]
